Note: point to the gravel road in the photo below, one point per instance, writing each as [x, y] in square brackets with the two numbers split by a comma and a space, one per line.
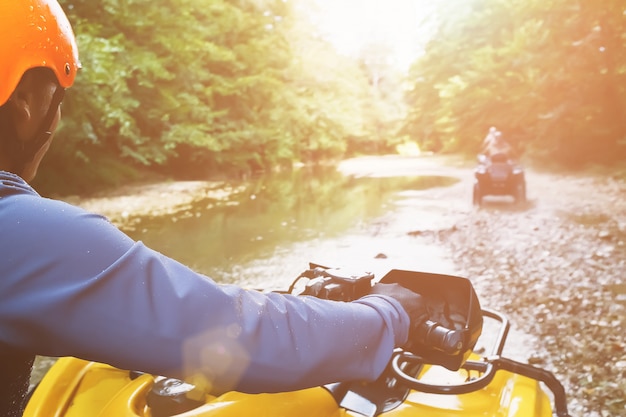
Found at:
[557, 268]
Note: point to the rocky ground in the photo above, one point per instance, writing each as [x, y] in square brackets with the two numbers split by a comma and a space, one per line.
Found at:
[559, 266]
[556, 265]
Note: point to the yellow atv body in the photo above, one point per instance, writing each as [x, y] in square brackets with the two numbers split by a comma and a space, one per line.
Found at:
[78, 388]
[462, 383]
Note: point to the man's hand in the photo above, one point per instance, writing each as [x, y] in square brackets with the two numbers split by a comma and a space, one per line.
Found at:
[412, 303]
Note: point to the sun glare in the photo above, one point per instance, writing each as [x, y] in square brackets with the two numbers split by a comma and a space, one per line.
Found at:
[352, 25]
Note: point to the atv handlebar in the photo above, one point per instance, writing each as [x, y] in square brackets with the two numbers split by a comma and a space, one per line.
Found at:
[339, 285]
[335, 284]
[401, 359]
[441, 338]
[487, 368]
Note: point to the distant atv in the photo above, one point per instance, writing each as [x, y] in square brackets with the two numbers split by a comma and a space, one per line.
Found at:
[498, 175]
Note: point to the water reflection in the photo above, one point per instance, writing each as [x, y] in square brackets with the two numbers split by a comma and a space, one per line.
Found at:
[273, 213]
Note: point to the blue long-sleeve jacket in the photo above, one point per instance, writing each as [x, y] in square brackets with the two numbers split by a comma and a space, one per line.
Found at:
[72, 284]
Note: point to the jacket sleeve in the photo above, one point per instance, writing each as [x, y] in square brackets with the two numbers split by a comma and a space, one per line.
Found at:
[74, 285]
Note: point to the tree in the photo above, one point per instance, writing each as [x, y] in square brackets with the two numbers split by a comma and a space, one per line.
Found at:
[547, 73]
[195, 88]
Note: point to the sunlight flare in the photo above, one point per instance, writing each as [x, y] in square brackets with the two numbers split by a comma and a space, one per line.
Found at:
[401, 26]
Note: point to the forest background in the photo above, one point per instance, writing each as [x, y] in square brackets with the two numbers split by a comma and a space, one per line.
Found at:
[193, 89]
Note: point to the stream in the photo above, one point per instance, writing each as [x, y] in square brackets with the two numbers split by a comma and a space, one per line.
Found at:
[265, 234]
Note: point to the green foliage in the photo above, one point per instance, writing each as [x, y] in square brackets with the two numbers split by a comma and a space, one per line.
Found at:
[549, 74]
[194, 88]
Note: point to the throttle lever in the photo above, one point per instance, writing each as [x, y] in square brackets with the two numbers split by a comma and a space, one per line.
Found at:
[438, 337]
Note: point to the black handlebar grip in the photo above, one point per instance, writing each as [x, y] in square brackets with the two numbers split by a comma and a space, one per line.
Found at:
[441, 338]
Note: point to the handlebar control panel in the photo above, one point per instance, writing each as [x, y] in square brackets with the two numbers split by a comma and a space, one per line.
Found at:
[336, 284]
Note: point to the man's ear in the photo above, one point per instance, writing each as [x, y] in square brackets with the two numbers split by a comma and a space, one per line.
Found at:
[21, 102]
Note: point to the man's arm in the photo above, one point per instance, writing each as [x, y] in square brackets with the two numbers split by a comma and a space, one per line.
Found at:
[74, 285]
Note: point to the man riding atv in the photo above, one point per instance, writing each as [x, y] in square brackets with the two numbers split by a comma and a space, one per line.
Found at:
[497, 173]
[72, 284]
[495, 144]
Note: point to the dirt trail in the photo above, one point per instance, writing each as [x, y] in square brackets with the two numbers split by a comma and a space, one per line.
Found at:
[556, 266]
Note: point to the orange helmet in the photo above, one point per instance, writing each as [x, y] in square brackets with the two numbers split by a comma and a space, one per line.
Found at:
[35, 33]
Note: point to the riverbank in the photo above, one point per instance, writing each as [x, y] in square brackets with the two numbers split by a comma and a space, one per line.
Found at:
[125, 204]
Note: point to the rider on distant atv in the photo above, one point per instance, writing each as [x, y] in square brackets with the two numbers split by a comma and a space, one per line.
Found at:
[495, 144]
